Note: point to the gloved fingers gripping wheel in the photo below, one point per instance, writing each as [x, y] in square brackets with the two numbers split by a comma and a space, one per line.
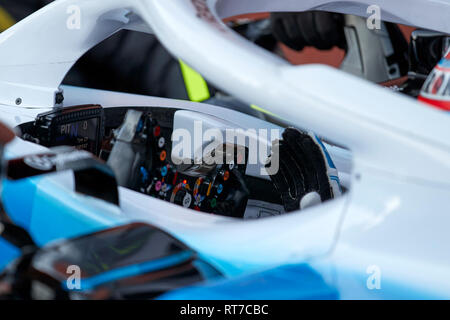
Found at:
[304, 169]
[319, 29]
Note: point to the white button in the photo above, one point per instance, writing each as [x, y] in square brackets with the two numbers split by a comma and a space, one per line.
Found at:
[187, 200]
[161, 142]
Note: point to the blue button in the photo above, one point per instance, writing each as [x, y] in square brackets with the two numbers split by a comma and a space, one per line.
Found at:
[144, 174]
[140, 126]
[164, 171]
[219, 189]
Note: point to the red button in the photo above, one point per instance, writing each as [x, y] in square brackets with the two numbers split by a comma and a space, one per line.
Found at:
[157, 131]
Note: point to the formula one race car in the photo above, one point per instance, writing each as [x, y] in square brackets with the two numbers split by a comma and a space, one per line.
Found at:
[339, 192]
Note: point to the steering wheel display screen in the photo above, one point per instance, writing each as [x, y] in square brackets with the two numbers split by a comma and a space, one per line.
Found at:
[80, 134]
[80, 127]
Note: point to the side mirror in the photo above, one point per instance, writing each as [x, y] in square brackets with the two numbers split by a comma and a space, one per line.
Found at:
[127, 262]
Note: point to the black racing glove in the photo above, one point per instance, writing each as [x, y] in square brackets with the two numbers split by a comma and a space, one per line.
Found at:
[319, 29]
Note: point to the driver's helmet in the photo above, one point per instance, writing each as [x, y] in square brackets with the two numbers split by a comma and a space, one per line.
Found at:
[436, 89]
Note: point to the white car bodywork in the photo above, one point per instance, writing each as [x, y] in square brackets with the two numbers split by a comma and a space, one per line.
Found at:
[395, 216]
